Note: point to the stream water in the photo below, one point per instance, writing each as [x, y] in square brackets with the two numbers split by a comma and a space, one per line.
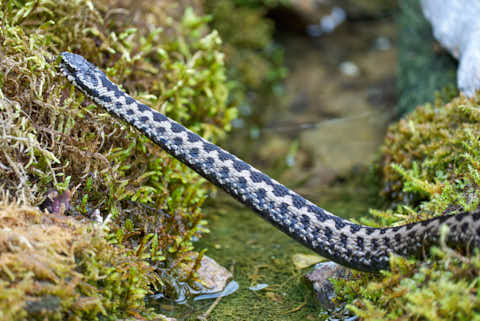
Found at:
[324, 133]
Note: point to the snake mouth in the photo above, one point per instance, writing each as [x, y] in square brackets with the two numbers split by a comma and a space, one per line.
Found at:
[67, 70]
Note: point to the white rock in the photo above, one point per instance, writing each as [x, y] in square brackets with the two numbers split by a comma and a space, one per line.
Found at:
[456, 25]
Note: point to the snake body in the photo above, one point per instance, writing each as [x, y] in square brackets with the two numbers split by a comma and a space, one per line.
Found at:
[356, 246]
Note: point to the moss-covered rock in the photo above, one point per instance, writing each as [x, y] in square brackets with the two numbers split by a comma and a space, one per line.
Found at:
[430, 167]
[444, 289]
[432, 154]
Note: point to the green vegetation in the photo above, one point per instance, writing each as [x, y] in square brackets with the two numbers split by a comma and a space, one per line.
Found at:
[431, 165]
[433, 155]
[260, 253]
[53, 138]
[56, 268]
[256, 253]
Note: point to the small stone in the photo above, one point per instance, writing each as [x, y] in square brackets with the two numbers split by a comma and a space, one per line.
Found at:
[349, 68]
[322, 285]
[212, 275]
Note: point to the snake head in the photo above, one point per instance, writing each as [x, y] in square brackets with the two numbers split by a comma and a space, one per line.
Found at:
[81, 72]
[74, 65]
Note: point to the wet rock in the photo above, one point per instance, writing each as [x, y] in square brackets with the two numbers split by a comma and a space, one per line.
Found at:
[337, 126]
[212, 275]
[211, 281]
[457, 27]
[323, 286]
[339, 144]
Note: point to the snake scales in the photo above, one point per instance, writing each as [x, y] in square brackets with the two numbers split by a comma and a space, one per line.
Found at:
[360, 247]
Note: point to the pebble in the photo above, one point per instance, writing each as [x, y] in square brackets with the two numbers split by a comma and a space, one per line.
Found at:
[323, 286]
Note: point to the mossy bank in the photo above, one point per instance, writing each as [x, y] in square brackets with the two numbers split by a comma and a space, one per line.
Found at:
[430, 167]
[165, 55]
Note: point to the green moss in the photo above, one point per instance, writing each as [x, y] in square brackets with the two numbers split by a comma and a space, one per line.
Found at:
[52, 137]
[431, 167]
[445, 289]
[257, 253]
[57, 268]
[432, 155]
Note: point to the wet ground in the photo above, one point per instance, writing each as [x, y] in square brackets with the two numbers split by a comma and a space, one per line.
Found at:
[319, 140]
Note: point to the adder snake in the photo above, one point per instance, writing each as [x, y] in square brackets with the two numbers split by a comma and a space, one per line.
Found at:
[360, 247]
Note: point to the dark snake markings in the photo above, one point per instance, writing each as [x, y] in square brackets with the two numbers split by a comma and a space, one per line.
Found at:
[360, 247]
